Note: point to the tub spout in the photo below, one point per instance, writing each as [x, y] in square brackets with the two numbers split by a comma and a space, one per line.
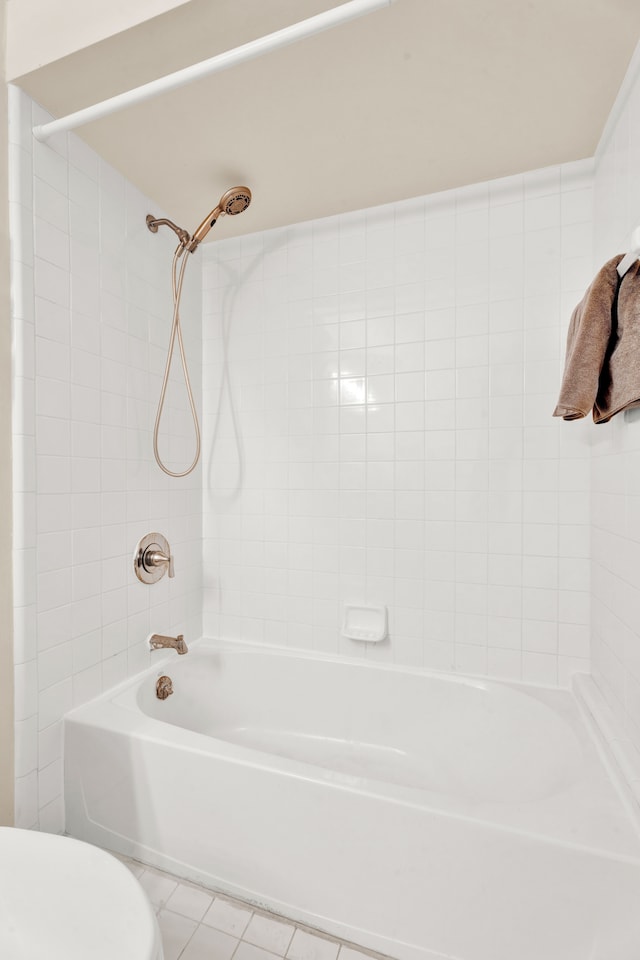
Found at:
[157, 642]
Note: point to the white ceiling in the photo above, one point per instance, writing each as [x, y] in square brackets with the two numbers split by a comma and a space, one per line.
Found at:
[419, 97]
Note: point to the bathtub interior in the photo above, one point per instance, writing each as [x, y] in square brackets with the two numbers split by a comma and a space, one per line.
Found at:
[469, 738]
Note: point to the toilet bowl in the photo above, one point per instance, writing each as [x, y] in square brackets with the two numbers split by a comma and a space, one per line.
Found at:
[62, 899]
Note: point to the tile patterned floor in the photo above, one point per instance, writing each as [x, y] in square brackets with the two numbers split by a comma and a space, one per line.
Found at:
[199, 925]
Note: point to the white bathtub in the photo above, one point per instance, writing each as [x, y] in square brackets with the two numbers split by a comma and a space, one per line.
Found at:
[420, 815]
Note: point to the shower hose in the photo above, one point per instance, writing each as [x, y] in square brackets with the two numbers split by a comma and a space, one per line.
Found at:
[176, 331]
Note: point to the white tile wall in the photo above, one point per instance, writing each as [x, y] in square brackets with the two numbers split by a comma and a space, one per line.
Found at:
[616, 447]
[91, 311]
[378, 390]
[377, 393]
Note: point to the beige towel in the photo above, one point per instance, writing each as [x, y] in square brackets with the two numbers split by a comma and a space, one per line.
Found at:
[602, 366]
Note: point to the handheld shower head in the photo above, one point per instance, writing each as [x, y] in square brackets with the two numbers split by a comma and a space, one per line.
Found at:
[234, 201]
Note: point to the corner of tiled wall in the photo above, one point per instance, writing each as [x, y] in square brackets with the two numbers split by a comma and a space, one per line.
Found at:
[615, 513]
[91, 313]
[377, 414]
[24, 474]
[377, 390]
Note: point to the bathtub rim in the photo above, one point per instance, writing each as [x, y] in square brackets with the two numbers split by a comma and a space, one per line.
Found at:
[477, 680]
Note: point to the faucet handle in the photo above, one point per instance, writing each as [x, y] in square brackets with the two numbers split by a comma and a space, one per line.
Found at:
[155, 558]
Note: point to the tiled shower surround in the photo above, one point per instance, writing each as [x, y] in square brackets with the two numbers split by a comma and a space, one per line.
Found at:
[91, 305]
[377, 393]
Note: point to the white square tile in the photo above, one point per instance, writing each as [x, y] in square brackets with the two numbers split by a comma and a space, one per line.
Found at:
[26, 690]
[209, 944]
[52, 282]
[348, 953]
[307, 946]
[87, 684]
[158, 887]
[228, 917]
[51, 243]
[26, 746]
[176, 932]
[540, 668]
[190, 901]
[54, 702]
[505, 663]
[114, 670]
[247, 951]
[53, 627]
[54, 665]
[83, 157]
[49, 166]
[269, 933]
[50, 782]
[26, 801]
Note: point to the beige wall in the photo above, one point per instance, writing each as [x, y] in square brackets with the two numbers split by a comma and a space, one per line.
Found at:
[41, 31]
[6, 632]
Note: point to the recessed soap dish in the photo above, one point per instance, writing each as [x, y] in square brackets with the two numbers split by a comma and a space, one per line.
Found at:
[365, 623]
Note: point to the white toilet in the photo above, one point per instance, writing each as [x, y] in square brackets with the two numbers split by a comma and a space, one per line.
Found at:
[61, 899]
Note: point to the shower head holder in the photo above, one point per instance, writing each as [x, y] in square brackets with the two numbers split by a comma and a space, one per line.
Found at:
[154, 222]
